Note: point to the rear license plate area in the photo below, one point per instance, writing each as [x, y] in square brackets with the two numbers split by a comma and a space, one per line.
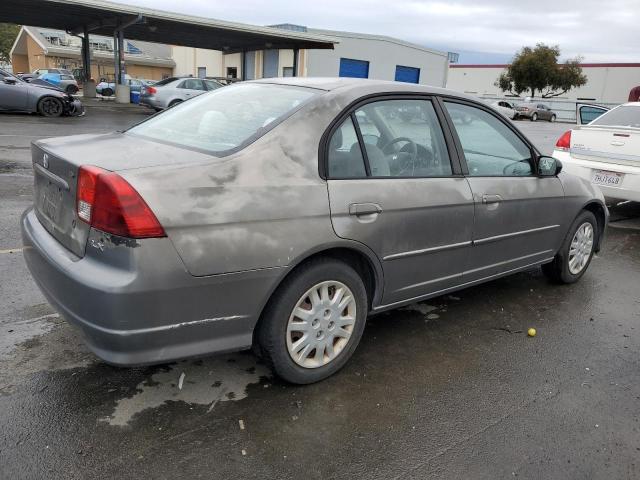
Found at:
[606, 178]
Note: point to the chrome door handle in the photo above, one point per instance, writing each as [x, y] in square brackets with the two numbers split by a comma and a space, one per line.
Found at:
[360, 209]
[491, 199]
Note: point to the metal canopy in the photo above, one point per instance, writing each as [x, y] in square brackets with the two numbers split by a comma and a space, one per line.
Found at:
[101, 17]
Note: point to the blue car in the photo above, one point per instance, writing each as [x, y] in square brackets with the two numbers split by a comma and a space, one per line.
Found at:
[63, 81]
[135, 84]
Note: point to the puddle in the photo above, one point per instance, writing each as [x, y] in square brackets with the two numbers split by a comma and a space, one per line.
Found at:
[422, 308]
[15, 333]
[206, 382]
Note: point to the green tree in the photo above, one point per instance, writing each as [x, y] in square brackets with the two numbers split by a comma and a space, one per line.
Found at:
[537, 70]
[8, 34]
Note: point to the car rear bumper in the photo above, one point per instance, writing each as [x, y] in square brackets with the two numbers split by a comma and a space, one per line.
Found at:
[629, 189]
[135, 302]
[151, 102]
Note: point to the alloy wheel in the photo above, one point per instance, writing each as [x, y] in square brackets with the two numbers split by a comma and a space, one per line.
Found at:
[581, 247]
[321, 324]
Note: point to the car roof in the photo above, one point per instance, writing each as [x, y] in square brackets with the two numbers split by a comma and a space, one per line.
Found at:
[344, 84]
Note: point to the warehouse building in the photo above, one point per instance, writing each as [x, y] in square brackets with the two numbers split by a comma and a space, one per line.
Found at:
[354, 55]
[607, 83]
[38, 48]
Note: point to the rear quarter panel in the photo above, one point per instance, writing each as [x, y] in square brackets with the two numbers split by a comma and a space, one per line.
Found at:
[262, 207]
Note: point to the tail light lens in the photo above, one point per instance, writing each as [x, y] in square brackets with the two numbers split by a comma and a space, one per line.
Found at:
[151, 90]
[107, 202]
[564, 142]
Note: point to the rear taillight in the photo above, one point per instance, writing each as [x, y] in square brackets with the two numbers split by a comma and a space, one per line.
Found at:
[107, 202]
[151, 90]
[564, 142]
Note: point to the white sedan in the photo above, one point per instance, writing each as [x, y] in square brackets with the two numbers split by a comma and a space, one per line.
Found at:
[505, 108]
[606, 151]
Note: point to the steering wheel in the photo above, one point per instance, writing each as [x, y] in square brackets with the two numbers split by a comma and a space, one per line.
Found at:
[405, 160]
[517, 168]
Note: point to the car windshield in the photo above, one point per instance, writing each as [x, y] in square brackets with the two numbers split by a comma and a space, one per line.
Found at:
[625, 116]
[226, 118]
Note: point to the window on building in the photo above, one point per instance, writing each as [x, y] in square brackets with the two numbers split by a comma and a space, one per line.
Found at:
[407, 74]
[202, 72]
[232, 72]
[287, 71]
[350, 67]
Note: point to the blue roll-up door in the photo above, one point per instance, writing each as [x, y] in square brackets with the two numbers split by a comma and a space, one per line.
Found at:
[270, 63]
[407, 74]
[354, 68]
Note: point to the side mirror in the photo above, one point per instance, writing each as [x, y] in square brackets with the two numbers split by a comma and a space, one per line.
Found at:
[10, 81]
[549, 166]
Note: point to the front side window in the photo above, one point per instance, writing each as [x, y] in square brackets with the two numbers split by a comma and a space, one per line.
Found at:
[490, 148]
[403, 138]
[227, 118]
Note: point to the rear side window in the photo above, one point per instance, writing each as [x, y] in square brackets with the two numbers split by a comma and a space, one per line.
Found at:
[192, 84]
[225, 119]
[66, 77]
[345, 158]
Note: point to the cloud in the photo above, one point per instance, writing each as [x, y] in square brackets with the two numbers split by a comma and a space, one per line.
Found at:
[590, 28]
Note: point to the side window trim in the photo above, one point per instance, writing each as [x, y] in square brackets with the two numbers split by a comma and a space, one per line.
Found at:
[361, 144]
[534, 152]
[457, 166]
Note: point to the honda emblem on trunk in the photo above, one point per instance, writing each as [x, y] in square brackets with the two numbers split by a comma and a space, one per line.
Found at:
[45, 160]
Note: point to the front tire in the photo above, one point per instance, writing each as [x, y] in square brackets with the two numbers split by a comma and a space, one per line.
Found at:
[71, 89]
[576, 252]
[534, 117]
[314, 321]
[50, 107]
[552, 119]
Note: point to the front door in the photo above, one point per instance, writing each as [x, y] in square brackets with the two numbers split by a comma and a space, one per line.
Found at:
[14, 94]
[393, 187]
[517, 213]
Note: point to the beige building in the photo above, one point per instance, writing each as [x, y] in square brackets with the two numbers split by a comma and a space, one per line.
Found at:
[606, 82]
[36, 48]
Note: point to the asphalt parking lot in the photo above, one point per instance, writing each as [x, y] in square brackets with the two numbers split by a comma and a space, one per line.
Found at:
[449, 388]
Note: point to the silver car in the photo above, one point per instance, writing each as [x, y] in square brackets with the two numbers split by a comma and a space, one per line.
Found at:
[271, 214]
[534, 112]
[171, 91]
[17, 95]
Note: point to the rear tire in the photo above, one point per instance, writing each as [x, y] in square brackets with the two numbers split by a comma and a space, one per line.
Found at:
[576, 252]
[280, 329]
[173, 103]
[534, 117]
[107, 92]
[552, 119]
[50, 107]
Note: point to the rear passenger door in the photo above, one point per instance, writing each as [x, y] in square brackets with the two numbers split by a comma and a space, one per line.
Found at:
[517, 213]
[191, 87]
[394, 187]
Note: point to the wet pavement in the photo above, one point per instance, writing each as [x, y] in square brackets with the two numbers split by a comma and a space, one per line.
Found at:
[449, 388]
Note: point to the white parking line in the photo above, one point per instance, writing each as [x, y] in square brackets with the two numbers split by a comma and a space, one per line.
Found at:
[11, 250]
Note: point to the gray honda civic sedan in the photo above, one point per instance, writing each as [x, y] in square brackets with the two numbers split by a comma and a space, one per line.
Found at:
[278, 214]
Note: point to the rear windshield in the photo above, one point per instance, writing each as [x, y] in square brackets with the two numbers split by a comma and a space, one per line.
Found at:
[166, 80]
[225, 119]
[628, 116]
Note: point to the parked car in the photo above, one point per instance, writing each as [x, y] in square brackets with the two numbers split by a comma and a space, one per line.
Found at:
[606, 151]
[535, 111]
[171, 91]
[135, 84]
[505, 108]
[49, 101]
[63, 81]
[258, 215]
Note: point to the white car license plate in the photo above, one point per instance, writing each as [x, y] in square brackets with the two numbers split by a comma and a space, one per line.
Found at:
[610, 179]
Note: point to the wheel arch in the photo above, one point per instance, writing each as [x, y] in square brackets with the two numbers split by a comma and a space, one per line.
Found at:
[354, 254]
[599, 211]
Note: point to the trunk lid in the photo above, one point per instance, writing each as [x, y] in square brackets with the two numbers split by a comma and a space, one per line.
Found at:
[56, 162]
[618, 145]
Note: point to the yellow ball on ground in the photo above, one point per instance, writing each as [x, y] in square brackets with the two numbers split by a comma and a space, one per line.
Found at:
[531, 332]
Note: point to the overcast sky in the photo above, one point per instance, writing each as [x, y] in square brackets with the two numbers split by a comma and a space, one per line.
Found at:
[600, 31]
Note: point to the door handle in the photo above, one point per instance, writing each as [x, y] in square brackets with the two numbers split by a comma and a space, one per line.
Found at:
[491, 199]
[360, 209]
